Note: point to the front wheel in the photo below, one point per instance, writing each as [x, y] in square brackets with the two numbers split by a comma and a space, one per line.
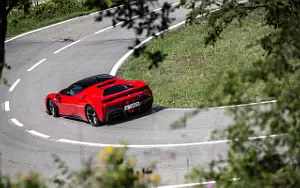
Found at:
[53, 109]
[92, 116]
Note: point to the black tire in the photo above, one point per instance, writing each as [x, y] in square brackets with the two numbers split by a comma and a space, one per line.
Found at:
[52, 108]
[150, 104]
[147, 106]
[92, 116]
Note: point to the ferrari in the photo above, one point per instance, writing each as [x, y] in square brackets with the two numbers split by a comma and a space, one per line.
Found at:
[98, 99]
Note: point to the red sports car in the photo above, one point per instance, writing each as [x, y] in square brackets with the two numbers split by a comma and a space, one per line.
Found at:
[99, 98]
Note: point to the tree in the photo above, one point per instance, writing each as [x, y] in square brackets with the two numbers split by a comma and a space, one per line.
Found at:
[26, 5]
[271, 161]
[6, 7]
[274, 161]
[35, 2]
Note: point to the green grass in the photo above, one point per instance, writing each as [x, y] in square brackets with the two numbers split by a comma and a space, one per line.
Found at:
[184, 78]
[43, 15]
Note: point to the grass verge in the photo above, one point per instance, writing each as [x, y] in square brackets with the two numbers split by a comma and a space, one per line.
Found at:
[185, 78]
[44, 15]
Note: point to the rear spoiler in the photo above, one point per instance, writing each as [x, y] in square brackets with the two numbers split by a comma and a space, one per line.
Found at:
[124, 93]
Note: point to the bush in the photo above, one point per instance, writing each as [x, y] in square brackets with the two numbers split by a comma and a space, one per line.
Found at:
[48, 8]
[114, 169]
[56, 7]
[44, 14]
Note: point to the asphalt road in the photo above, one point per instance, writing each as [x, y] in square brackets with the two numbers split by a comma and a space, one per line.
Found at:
[149, 134]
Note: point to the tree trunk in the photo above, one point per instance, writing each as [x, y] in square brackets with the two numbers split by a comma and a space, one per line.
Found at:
[3, 26]
[26, 7]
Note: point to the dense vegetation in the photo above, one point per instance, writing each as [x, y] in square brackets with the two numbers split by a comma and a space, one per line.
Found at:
[44, 14]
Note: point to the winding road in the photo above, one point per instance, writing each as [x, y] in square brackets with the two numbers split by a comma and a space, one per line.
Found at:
[43, 62]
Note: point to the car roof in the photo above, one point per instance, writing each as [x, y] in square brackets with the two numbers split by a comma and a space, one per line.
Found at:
[92, 80]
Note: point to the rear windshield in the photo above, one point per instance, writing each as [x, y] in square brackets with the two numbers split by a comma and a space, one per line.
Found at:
[116, 89]
[89, 81]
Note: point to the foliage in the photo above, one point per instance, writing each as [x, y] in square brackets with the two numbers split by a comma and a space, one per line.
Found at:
[50, 8]
[102, 5]
[30, 181]
[273, 161]
[264, 161]
[44, 14]
[25, 5]
[114, 169]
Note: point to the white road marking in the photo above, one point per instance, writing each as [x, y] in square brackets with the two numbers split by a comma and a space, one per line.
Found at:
[123, 59]
[57, 51]
[250, 104]
[264, 137]
[212, 142]
[16, 122]
[40, 29]
[38, 63]
[38, 134]
[102, 30]
[14, 85]
[105, 29]
[143, 146]
[6, 106]
[120, 62]
[194, 184]
[59, 23]
[220, 107]
[187, 185]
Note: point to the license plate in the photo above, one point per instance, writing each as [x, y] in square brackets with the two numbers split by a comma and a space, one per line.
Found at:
[133, 105]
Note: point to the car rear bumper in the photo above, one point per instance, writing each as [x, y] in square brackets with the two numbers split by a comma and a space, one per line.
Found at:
[120, 111]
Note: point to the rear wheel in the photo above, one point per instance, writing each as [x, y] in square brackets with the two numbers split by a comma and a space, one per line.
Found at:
[150, 104]
[53, 109]
[92, 116]
[147, 106]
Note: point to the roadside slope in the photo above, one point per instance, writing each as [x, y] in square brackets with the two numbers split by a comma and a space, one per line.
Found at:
[191, 72]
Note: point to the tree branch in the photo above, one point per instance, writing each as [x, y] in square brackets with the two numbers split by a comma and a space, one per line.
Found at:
[11, 5]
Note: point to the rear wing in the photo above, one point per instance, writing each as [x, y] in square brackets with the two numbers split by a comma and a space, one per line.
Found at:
[129, 91]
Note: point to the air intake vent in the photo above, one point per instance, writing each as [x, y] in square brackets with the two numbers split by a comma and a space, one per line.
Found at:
[102, 85]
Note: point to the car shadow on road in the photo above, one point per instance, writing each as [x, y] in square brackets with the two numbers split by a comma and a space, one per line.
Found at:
[135, 116]
[130, 117]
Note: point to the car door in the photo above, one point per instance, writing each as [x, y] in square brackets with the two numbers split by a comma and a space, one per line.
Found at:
[68, 101]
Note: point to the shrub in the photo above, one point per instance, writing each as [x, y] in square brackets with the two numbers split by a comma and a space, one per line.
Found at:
[44, 14]
[114, 169]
